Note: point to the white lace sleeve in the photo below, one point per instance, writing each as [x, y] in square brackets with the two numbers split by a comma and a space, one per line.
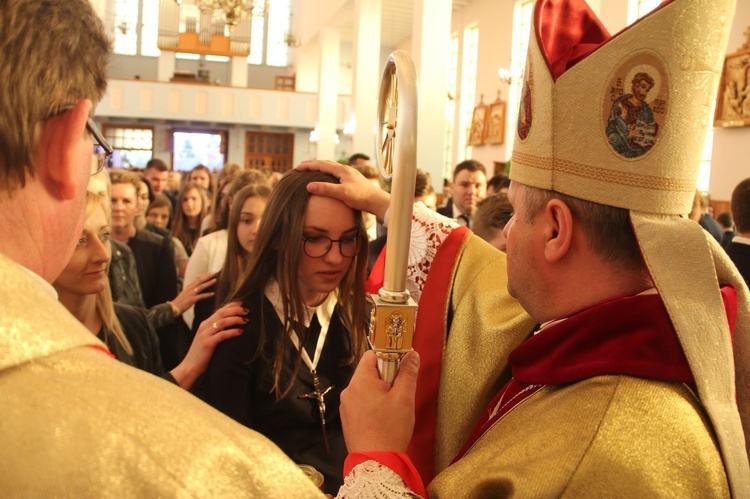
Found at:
[428, 231]
[372, 480]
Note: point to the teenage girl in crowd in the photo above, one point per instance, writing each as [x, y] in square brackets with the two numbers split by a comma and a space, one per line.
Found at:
[307, 323]
[189, 212]
[83, 288]
[211, 250]
[159, 214]
[244, 220]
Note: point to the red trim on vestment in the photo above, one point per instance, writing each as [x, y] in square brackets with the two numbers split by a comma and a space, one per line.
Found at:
[429, 339]
[512, 394]
[377, 274]
[729, 297]
[103, 349]
[396, 461]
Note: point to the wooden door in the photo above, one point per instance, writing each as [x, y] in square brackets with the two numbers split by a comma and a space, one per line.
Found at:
[270, 150]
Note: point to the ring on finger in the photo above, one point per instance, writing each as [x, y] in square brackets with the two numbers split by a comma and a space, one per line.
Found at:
[215, 326]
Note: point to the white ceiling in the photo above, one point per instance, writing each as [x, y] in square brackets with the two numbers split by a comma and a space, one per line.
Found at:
[396, 23]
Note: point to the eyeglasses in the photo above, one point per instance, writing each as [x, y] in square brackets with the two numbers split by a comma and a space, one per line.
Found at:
[102, 149]
[319, 246]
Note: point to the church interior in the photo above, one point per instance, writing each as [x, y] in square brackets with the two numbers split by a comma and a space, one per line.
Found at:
[278, 82]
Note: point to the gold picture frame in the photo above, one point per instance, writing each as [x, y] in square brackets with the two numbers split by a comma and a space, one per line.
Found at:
[495, 126]
[478, 120]
[733, 98]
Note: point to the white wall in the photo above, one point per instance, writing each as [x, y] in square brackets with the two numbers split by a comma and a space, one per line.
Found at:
[729, 160]
[495, 21]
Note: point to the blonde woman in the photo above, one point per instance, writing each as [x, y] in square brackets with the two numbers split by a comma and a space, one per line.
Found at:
[83, 288]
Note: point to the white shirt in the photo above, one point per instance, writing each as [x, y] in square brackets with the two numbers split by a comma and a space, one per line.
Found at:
[208, 256]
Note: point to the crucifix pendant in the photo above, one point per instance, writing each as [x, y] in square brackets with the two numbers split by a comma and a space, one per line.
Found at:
[319, 396]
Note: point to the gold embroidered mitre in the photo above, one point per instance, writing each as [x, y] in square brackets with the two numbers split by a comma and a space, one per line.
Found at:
[625, 125]
[621, 121]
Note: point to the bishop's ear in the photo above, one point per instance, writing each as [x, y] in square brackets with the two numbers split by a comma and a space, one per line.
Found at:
[65, 152]
[558, 230]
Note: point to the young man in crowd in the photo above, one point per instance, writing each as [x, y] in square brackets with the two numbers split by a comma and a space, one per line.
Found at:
[468, 188]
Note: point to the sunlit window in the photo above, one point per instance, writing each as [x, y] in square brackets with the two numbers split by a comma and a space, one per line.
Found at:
[268, 33]
[194, 148]
[450, 106]
[136, 24]
[257, 37]
[523, 19]
[126, 27]
[278, 27]
[468, 89]
[639, 8]
[133, 146]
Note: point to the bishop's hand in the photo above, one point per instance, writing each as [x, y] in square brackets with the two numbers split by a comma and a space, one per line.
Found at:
[354, 189]
[376, 416]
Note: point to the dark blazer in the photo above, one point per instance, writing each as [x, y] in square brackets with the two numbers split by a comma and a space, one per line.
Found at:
[712, 226]
[141, 336]
[447, 210]
[123, 276]
[740, 255]
[728, 236]
[154, 260]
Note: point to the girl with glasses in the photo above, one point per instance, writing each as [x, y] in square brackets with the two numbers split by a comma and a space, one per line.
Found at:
[304, 289]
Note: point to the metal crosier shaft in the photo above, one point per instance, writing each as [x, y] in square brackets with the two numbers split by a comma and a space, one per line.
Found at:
[394, 311]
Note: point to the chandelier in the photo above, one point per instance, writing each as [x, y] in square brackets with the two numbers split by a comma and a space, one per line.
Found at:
[234, 11]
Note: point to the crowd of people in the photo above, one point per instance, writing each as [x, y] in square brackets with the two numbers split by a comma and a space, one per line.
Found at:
[562, 345]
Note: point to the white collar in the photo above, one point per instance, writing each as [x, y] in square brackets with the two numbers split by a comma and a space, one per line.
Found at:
[741, 240]
[324, 311]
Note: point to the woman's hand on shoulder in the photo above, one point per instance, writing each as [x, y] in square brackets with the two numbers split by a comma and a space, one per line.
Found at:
[225, 323]
[194, 292]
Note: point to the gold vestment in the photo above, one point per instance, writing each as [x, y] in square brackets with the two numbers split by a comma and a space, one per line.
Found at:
[78, 423]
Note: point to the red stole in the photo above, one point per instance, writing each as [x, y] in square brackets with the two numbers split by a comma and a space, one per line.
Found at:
[630, 335]
[429, 339]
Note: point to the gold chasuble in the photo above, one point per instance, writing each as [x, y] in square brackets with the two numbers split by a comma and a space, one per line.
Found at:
[77, 423]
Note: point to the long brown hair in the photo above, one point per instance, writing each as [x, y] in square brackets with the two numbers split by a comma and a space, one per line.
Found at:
[180, 225]
[237, 258]
[278, 247]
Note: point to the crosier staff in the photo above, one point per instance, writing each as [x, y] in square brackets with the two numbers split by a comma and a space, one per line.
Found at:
[393, 310]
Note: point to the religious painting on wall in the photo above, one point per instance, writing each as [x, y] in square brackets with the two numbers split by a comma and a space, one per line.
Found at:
[478, 121]
[496, 122]
[733, 100]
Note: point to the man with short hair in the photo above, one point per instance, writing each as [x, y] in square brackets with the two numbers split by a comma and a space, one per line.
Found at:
[157, 175]
[739, 248]
[725, 220]
[468, 188]
[75, 421]
[493, 214]
[498, 183]
[359, 159]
